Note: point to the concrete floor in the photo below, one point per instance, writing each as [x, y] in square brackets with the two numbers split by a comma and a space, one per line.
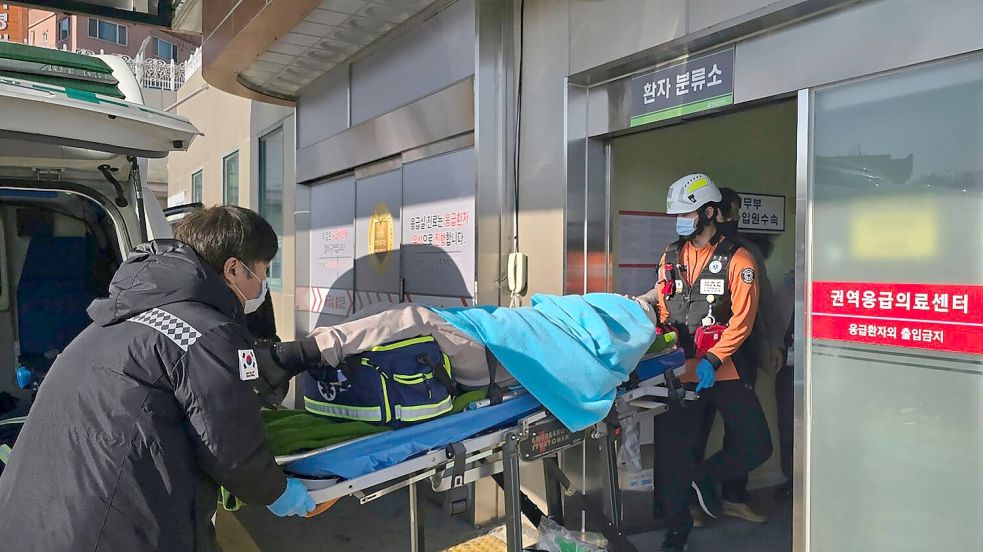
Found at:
[735, 535]
[383, 525]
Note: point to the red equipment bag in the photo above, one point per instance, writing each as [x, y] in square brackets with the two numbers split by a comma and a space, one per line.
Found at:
[706, 337]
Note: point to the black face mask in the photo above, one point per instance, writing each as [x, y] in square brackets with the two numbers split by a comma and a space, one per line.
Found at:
[728, 228]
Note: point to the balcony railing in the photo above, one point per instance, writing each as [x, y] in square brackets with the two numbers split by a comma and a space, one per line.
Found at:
[157, 73]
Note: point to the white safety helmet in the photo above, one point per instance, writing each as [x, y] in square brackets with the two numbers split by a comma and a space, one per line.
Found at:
[691, 192]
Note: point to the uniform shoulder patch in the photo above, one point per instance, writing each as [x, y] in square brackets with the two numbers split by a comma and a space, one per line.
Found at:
[181, 333]
[747, 275]
[248, 368]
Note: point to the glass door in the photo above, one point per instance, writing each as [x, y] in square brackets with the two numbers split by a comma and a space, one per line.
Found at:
[895, 316]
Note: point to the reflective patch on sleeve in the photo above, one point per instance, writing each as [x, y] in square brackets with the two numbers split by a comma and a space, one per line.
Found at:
[747, 275]
[180, 332]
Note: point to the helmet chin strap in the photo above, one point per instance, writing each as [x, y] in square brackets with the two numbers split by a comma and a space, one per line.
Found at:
[702, 221]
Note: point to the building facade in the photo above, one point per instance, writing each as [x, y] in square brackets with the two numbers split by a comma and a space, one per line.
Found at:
[245, 157]
[81, 33]
[851, 128]
[13, 23]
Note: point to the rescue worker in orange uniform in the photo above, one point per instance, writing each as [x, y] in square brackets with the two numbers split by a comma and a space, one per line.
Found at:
[764, 349]
[705, 279]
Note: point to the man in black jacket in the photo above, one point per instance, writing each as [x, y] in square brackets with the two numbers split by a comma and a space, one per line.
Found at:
[151, 407]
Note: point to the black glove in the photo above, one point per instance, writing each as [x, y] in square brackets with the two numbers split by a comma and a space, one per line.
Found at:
[281, 361]
[297, 356]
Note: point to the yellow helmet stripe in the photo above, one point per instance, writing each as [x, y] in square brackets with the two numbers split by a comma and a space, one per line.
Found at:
[696, 185]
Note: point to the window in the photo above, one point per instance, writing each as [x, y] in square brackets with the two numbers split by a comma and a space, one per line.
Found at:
[44, 38]
[197, 187]
[890, 204]
[164, 49]
[65, 28]
[230, 179]
[110, 32]
[271, 155]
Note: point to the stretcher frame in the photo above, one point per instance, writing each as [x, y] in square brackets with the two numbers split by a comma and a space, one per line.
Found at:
[496, 454]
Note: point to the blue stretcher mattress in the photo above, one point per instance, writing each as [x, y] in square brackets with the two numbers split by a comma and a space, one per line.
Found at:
[648, 368]
[388, 449]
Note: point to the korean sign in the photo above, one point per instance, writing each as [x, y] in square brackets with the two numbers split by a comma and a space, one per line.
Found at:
[439, 226]
[762, 213]
[922, 316]
[332, 249]
[691, 86]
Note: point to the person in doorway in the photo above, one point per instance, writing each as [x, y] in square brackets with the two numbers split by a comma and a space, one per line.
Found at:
[705, 279]
[764, 348]
[784, 401]
[151, 407]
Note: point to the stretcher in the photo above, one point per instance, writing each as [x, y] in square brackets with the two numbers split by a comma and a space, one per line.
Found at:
[457, 450]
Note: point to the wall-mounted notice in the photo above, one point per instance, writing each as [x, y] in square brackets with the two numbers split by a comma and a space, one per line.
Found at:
[941, 317]
[642, 239]
[762, 213]
[636, 280]
[378, 232]
[332, 247]
[439, 226]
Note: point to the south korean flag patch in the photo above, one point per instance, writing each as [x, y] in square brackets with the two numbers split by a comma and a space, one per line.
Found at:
[248, 369]
[747, 275]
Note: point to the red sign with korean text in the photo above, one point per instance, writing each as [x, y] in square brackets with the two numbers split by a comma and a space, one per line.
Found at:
[922, 316]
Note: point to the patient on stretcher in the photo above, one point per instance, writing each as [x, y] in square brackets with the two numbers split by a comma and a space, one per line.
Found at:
[569, 352]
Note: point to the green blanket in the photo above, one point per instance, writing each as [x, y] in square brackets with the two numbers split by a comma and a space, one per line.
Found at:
[295, 431]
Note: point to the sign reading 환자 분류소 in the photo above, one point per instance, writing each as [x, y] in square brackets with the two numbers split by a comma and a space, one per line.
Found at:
[697, 84]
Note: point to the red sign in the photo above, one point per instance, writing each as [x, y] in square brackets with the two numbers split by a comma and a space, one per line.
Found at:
[922, 316]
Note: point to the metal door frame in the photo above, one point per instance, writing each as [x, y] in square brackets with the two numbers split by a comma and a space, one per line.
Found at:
[589, 188]
[802, 407]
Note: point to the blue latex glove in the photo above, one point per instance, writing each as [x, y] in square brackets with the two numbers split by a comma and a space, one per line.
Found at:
[706, 374]
[294, 501]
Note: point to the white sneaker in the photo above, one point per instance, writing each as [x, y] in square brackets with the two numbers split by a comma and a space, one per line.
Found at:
[698, 515]
[741, 511]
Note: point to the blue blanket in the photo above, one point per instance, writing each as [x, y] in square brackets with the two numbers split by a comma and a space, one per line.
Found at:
[570, 352]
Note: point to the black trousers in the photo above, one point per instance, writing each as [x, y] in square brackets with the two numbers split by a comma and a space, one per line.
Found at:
[735, 489]
[784, 399]
[677, 431]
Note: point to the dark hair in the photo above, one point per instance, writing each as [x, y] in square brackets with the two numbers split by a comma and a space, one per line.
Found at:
[728, 197]
[218, 233]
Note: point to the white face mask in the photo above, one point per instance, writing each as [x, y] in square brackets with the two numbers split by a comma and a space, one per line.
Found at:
[252, 305]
